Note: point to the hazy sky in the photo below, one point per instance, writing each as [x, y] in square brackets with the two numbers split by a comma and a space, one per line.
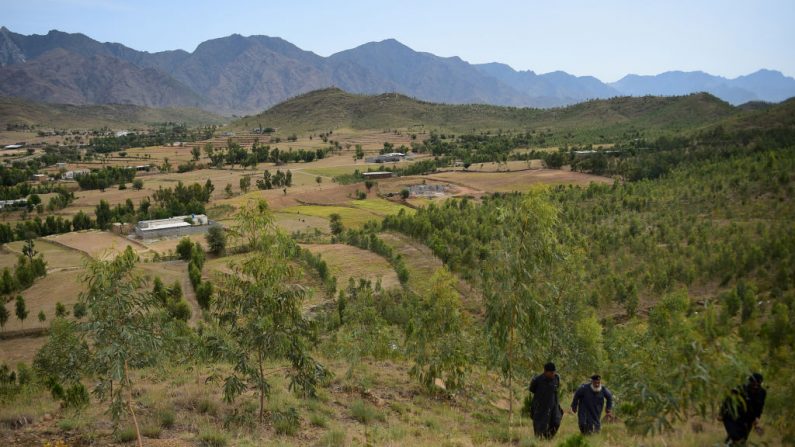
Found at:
[607, 38]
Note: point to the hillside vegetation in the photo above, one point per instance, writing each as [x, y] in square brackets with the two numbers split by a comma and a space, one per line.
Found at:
[330, 109]
[21, 112]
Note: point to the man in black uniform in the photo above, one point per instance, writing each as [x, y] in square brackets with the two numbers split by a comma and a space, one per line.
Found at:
[741, 410]
[545, 408]
[589, 400]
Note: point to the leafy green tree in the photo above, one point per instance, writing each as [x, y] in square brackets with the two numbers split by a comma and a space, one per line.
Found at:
[216, 240]
[369, 185]
[42, 316]
[60, 310]
[404, 193]
[120, 329]
[335, 224]
[184, 248]
[523, 283]
[4, 315]
[79, 310]
[21, 310]
[228, 190]
[260, 307]
[196, 153]
[359, 152]
[245, 183]
[138, 184]
[204, 294]
[61, 362]
[436, 338]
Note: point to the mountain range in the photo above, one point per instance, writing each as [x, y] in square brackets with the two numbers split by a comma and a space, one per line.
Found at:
[246, 75]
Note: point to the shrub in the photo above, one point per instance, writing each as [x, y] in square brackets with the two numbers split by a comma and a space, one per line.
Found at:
[212, 438]
[184, 249]
[364, 412]
[165, 417]
[204, 294]
[286, 422]
[318, 420]
[151, 431]
[126, 434]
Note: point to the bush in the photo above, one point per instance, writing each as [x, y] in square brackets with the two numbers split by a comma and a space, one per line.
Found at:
[212, 438]
[365, 413]
[151, 431]
[126, 434]
[204, 294]
[286, 422]
[165, 417]
[318, 420]
[216, 240]
[185, 249]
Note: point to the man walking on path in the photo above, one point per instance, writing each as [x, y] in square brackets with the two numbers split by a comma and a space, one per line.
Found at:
[545, 408]
[588, 402]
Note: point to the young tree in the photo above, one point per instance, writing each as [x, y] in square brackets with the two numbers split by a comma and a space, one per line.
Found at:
[138, 184]
[260, 307]
[228, 190]
[436, 337]
[21, 310]
[42, 316]
[120, 328]
[335, 224]
[245, 183]
[523, 283]
[184, 248]
[196, 153]
[359, 152]
[216, 240]
[3, 316]
[369, 185]
[60, 310]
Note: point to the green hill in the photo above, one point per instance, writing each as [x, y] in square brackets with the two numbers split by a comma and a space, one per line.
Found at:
[333, 109]
[16, 111]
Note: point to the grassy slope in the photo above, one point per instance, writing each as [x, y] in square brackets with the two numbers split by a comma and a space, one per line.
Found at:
[333, 108]
[19, 111]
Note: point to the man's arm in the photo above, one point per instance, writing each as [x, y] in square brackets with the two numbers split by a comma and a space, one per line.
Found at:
[575, 403]
[533, 384]
[609, 398]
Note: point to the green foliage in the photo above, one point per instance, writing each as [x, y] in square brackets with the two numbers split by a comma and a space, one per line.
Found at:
[4, 315]
[577, 440]
[210, 437]
[123, 435]
[365, 412]
[204, 294]
[20, 309]
[335, 224]
[216, 240]
[120, 329]
[436, 337]
[165, 417]
[61, 362]
[260, 307]
[286, 422]
[184, 249]
[701, 361]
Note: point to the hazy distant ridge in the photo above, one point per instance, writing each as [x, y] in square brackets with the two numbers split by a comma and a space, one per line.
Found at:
[245, 75]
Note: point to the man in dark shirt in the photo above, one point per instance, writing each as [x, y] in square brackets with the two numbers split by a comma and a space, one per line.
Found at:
[588, 403]
[742, 409]
[545, 408]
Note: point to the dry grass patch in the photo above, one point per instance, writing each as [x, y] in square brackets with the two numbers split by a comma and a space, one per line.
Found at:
[346, 261]
[522, 181]
[98, 244]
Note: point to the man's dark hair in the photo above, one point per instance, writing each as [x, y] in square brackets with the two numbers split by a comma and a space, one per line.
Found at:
[596, 377]
[549, 367]
[756, 378]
